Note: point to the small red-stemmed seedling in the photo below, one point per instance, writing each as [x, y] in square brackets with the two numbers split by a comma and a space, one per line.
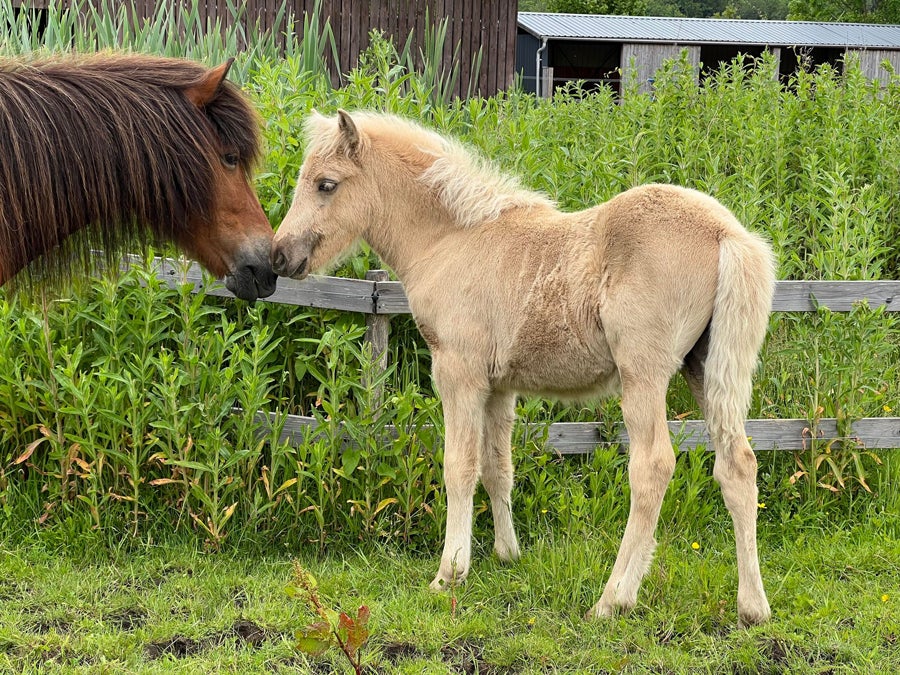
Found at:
[334, 628]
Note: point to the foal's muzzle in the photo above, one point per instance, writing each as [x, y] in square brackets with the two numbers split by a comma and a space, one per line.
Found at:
[290, 255]
[283, 266]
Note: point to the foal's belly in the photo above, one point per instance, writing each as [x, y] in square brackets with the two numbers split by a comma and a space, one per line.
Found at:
[558, 362]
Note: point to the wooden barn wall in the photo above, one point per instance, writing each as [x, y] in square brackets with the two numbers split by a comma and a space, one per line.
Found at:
[488, 25]
[870, 62]
[648, 58]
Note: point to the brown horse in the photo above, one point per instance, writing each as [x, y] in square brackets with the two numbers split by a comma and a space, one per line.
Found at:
[513, 296]
[114, 151]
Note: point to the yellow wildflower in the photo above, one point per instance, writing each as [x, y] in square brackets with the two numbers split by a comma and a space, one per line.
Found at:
[695, 546]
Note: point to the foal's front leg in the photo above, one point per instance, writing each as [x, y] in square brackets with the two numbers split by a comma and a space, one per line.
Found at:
[463, 394]
[497, 470]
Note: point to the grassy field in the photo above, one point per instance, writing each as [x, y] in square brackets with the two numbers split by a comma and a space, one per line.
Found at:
[169, 608]
[85, 602]
[146, 528]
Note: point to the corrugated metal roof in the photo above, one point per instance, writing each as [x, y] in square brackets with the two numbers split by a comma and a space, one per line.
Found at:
[724, 31]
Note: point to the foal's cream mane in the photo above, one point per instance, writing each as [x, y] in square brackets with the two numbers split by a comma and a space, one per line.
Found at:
[471, 189]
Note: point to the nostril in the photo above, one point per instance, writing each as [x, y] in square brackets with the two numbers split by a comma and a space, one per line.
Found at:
[278, 260]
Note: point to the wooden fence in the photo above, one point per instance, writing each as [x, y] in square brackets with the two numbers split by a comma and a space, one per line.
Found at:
[485, 26]
[380, 300]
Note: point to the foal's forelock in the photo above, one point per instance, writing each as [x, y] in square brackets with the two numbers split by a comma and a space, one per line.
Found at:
[466, 185]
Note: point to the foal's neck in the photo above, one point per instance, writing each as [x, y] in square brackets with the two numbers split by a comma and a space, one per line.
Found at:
[405, 237]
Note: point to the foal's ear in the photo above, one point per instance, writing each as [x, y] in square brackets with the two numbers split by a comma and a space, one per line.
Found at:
[206, 89]
[349, 132]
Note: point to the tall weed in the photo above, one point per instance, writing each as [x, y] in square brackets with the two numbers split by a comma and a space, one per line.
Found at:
[116, 403]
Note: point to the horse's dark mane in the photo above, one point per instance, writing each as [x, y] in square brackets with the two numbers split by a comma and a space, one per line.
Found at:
[110, 147]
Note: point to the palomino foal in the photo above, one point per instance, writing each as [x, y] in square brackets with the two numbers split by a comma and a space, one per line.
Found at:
[513, 296]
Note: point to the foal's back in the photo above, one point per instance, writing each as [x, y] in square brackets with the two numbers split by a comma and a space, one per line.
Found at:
[643, 264]
[664, 239]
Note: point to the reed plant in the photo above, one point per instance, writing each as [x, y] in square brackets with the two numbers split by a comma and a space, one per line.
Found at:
[173, 29]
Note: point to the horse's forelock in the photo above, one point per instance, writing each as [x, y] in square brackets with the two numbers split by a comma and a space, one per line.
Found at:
[237, 124]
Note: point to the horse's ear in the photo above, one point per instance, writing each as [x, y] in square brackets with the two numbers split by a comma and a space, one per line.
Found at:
[349, 132]
[206, 89]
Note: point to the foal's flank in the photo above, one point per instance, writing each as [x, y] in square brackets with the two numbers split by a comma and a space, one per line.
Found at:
[515, 297]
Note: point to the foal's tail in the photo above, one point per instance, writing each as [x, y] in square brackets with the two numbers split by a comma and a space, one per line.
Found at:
[738, 327]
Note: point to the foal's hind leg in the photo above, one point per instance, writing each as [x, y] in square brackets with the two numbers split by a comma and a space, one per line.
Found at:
[735, 471]
[497, 470]
[650, 469]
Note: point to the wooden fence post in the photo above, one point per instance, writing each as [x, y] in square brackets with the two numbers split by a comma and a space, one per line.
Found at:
[378, 330]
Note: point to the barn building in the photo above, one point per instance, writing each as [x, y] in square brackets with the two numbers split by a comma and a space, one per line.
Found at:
[492, 45]
[600, 49]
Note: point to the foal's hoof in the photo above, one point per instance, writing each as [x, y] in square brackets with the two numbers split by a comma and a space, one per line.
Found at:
[507, 552]
[442, 584]
[600, 611]
[604, 609]
[753, 616]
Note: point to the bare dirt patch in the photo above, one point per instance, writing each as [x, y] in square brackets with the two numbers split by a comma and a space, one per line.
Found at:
[128, 619]
[394, 652]
[241, 633]
[178, 646]
[47, 625]
[467, 656]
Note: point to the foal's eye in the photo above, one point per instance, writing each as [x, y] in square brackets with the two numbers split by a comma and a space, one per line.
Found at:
[327, 186]
[230, 160]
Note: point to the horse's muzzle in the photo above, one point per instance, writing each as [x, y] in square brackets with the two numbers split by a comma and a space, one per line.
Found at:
[252, 277]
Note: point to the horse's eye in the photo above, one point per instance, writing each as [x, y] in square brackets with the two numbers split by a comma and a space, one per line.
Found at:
[327, 185]
[230, 160]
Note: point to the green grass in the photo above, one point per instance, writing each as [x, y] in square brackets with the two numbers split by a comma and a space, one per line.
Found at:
[171, 608]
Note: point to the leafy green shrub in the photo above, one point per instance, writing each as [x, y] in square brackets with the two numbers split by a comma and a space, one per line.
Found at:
[116, 403]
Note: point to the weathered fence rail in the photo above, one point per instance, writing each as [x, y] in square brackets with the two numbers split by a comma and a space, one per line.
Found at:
[386, 298]
[580, 438]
